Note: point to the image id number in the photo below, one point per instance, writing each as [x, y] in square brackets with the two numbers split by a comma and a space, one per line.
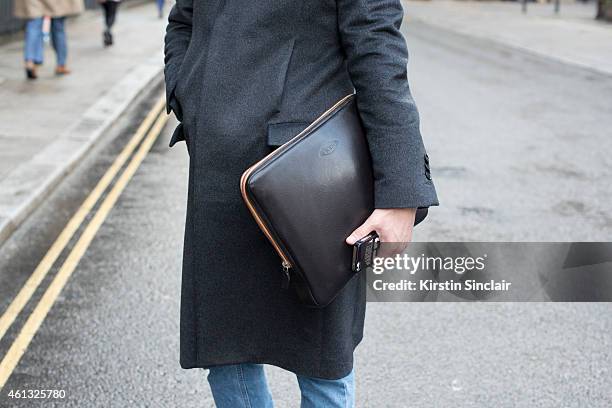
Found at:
[37, 394]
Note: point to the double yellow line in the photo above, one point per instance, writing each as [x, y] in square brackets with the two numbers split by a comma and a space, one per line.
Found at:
[148, 130]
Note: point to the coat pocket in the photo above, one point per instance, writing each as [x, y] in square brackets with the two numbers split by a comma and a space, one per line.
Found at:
[285, 54]
[281, 133]
[179, 135]
[174, 106]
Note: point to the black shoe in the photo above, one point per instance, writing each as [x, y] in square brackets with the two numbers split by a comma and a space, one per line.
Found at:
[108, 38]
[31, 73]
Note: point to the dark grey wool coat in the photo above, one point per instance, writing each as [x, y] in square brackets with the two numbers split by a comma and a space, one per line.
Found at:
[243, 77]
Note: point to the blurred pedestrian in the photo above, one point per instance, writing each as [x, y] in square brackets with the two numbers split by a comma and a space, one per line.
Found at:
[160, 8]
[110, 8]
[34, 12]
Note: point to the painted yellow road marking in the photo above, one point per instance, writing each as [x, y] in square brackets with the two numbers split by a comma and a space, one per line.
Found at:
[41, 271]
[31, 326]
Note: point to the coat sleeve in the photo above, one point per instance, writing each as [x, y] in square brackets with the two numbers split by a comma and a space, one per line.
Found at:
[178, 36]
[377, 58]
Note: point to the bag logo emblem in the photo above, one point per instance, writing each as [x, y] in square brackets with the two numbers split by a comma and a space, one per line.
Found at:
[328, 148]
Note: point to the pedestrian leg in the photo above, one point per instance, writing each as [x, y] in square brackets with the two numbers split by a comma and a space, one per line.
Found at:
[60, 44]
[33, 46]
[110, 15]
[160, 8]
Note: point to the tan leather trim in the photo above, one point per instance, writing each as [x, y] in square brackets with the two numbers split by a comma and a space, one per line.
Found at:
[260, 223]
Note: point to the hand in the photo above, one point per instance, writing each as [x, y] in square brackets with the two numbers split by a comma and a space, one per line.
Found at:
[392, 225]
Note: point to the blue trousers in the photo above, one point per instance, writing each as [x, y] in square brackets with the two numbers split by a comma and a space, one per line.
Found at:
[58, 39]
[34, 46]
[245, 386]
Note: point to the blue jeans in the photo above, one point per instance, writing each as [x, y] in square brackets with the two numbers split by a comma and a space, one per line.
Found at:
[160, 5]
[245, 386]
[58, 39]
[34, 46]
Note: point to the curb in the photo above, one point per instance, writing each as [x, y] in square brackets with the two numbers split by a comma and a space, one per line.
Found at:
[27, 186]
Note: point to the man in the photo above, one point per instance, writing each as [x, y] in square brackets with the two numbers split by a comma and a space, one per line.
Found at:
[236, 73]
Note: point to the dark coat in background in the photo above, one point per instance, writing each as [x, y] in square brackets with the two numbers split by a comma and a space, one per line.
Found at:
[244, 77]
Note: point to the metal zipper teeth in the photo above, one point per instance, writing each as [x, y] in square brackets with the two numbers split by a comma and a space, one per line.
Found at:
[245, 177]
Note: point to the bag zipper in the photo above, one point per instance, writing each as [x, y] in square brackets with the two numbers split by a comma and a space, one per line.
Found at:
[286, 263]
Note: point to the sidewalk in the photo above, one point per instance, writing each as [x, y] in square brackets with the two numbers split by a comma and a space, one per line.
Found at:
[48, 125]
[573, 36]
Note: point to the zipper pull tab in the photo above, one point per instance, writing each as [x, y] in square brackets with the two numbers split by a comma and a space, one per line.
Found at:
[287, 277]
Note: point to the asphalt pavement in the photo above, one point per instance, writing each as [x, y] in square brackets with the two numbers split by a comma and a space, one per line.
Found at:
[517, 146]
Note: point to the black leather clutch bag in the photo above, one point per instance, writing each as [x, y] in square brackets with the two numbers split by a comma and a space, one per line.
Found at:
[308, 195]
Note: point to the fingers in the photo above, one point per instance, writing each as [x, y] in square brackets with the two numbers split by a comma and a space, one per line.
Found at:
[361, 232]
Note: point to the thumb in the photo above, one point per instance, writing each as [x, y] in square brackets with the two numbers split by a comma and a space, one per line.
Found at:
[360, 232]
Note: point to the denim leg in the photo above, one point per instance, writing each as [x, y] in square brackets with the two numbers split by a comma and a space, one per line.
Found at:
[319, 393]
[58, 39]
[33, 47]
[160, 5]
[240, 386]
